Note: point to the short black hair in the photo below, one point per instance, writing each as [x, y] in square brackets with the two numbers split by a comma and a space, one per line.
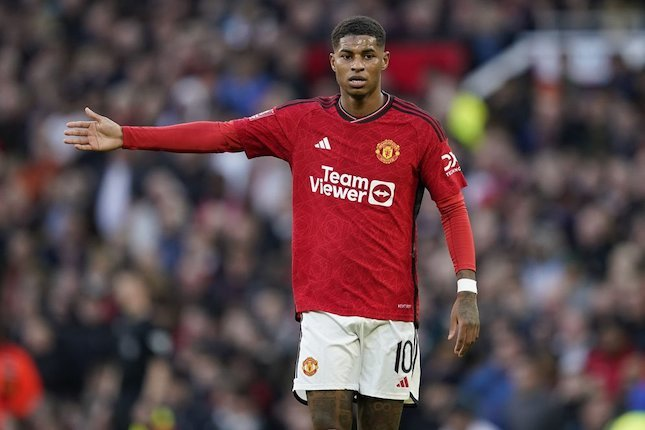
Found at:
[358, 26]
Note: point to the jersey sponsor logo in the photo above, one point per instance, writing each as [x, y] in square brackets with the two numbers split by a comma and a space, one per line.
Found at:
[262, 114]
[323, 144]
[451, 165]
[310, 366]
[381, 193]
[388, 151]
[345, 186]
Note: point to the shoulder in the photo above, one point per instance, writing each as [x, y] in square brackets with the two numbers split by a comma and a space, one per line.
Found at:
[419, 116]
[305, 105]
[293, 110]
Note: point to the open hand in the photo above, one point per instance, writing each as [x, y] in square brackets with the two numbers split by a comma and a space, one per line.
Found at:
[99, 134]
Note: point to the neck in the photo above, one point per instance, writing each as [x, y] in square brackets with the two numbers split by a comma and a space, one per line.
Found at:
[362, 106]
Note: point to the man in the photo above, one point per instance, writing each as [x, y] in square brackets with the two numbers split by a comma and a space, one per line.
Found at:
[142, 349]
[360, 162]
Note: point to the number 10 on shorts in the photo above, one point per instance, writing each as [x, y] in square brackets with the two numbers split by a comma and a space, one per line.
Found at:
[404, 357]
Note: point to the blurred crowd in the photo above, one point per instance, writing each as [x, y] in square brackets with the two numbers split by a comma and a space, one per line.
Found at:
[153, 290]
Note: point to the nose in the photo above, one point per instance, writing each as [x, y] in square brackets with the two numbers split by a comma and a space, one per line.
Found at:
[357, 65]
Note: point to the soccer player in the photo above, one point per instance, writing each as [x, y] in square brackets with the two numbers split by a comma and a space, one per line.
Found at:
[360, 162]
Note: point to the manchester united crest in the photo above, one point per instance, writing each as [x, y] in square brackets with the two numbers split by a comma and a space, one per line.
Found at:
[310, 366]
[388, 151]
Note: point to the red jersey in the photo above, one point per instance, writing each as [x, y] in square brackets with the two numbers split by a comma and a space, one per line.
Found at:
[21, 388]
[357, 188]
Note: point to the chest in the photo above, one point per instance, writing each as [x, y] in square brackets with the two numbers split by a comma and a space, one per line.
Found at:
[373, 150]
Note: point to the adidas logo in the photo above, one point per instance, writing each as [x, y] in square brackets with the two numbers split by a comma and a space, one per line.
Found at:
[403, 383]
[323, 144]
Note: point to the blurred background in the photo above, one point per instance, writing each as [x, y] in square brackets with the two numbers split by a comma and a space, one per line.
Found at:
[152, 290]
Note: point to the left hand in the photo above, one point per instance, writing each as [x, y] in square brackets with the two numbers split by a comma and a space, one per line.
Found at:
[464, 322]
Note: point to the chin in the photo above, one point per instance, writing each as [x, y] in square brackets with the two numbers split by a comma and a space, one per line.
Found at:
[358, 92]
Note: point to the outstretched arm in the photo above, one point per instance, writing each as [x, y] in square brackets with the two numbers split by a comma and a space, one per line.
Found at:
[103, 134]
[98, 134]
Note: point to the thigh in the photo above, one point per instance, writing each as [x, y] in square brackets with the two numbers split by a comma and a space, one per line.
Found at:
[331, 409]
[329, 355]
[390, 357]
[379, 414]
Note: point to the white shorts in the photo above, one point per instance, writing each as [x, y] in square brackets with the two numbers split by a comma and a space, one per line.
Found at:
[375, 358]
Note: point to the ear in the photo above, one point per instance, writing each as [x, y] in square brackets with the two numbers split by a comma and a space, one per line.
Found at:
[332, 61]
[386, 59]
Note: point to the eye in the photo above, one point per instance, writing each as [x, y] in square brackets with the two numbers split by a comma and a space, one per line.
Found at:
[345, 56]
[369, 56]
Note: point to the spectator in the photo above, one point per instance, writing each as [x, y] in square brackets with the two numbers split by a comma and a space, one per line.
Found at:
[21, 389]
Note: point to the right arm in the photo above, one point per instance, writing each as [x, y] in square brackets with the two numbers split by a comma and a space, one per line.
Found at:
[103, 134]
[201, 136]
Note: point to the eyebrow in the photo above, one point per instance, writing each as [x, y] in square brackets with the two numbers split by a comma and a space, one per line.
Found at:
[362, 52]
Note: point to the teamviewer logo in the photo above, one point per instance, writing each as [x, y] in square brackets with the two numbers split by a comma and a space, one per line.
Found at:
[381, 193]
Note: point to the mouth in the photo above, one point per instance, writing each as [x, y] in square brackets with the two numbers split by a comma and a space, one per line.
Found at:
[357, 81]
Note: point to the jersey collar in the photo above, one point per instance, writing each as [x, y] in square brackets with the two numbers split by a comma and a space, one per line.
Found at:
[371, 117]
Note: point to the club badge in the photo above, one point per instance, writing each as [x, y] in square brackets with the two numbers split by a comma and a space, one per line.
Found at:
[310, 366]
[388, 151]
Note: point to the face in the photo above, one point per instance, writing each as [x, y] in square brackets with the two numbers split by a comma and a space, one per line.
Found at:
[358, 62]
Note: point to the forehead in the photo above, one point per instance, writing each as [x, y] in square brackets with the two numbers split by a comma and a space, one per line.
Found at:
[354, 42]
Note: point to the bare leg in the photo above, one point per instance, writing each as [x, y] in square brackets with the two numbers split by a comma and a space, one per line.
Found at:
[331, 410]
[379, 414]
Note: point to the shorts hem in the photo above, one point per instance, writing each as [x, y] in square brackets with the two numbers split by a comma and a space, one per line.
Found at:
[299, 399]
[324, 387]
[413, 404]
[391, 396]
[303, 400]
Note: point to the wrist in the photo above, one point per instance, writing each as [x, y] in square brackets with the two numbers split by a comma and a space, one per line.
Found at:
[466, 285]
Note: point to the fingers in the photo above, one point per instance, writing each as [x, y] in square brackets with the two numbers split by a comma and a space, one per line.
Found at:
[83, 140]
[79, 124]
[85, 124]
[459, 344]
[95, 116]
[77, 132]
[453, 327]
[467, 334]
[82, 143]
[78, 136]
[84, 147]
